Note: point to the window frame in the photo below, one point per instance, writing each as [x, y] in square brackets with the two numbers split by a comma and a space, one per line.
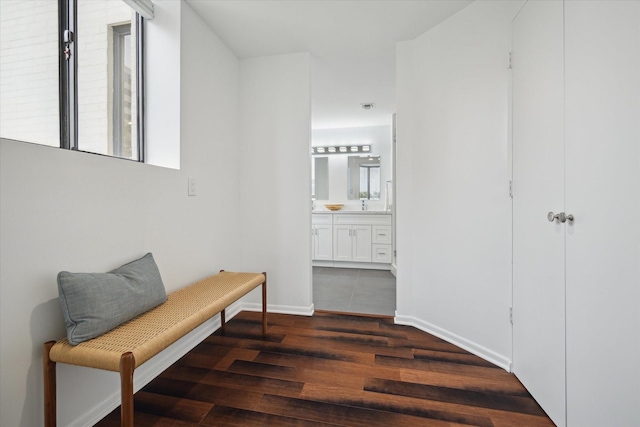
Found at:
[68, 83]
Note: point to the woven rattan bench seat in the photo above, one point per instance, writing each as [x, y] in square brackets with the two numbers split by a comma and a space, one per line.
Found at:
[151, 332]
[131, 344]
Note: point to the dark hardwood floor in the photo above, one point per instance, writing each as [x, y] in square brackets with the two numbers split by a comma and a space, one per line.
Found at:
[331, 370]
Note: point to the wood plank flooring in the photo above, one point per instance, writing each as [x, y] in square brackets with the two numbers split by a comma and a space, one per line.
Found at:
[331, 370]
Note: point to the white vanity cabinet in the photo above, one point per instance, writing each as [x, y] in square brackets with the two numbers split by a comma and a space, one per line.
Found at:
[352, 240]
[322, 237]
[357, 240]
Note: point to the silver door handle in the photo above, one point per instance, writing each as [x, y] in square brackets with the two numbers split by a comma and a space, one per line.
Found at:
[561, 216]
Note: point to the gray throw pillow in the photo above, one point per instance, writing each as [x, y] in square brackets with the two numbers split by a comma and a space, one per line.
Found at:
[95, 303]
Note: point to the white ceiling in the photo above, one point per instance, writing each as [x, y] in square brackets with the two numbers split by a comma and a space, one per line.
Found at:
[352, 44]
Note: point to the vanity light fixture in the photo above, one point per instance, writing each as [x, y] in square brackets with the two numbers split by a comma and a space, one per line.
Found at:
[343, 149]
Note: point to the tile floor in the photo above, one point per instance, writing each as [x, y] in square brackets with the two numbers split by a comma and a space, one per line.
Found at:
[354, 291]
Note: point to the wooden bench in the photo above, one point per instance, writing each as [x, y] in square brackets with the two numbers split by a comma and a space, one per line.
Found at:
[131, 344]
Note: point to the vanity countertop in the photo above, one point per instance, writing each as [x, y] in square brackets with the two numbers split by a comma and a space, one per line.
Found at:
[343, 212]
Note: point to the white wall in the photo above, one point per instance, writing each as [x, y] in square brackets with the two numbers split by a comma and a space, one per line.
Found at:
[379, 137]
[81, 212]
[453, 207]
[275, 171]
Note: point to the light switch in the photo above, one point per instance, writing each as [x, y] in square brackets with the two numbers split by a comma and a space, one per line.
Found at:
[192, 186]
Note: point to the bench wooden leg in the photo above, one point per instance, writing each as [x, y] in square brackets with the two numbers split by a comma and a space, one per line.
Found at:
[264, 304]
[49, 371]
[222, 317]
[127, 365]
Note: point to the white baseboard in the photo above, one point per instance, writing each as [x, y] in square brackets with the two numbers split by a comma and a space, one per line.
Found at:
[470, 346]
[281, 309]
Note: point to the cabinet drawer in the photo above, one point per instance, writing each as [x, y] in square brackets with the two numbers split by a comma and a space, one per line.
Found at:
[381, 253]
[381, 234]
[322, 219]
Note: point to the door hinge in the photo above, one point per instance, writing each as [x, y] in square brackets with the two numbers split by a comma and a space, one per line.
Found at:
[511, 189]
[511, 315]
[510, 60]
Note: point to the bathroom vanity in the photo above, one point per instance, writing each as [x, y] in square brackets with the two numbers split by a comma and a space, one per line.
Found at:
[352, 239]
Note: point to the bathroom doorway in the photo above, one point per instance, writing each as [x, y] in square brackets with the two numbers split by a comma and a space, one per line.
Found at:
[353, 262]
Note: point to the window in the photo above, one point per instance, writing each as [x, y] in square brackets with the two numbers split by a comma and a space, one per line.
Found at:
[102, 98]
[370, 182]
[72, 75]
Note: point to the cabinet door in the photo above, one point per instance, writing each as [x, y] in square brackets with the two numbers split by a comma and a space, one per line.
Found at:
[323, 243]
[361, 235]
[342, 243]
[538, 179]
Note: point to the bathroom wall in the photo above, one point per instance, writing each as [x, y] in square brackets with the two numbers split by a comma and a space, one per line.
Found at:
[379, 137]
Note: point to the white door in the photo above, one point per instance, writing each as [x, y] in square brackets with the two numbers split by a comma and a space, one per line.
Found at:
[323, 246]
[538, 180]
[603, 193]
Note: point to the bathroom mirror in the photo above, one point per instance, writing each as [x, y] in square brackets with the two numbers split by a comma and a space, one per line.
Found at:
[363, 181]
[320, 178]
